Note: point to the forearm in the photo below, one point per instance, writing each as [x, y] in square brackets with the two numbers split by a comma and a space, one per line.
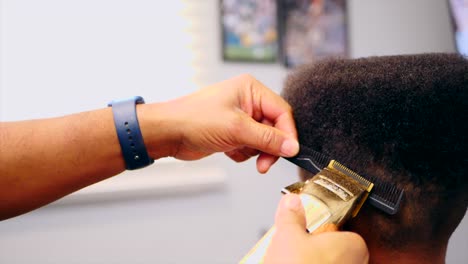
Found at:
[44, 160]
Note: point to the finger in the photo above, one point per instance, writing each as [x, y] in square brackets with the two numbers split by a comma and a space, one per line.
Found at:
[285, 122]
[325, 228]
[355, 243]
[250, 152]
[236, 156]
[358, 246]
[290, 215]
[268, 139]
[290, 232]
[243, 154]
[346, 245]
[265, 161]
[274, 107]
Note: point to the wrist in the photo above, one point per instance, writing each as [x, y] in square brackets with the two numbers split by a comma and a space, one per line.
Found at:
[129, 134]
[159, 130]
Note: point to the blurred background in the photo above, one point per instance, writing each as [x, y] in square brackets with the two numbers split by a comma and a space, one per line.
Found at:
[59, 57]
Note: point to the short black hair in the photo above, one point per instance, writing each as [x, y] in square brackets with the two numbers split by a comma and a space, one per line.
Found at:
[401, 118]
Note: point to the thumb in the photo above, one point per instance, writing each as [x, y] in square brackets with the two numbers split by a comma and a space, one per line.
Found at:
[290, 215]
[269, 139]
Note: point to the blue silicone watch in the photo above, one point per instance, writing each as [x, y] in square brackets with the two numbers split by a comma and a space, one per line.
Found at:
[129, 134]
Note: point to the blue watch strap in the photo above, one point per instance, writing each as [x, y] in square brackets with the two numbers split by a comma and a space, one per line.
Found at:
[129, 134]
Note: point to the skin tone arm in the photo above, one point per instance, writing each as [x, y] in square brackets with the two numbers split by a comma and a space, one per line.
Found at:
[44, 160]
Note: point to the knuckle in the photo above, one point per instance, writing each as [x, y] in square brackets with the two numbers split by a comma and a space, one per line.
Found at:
[246, 77]
[249, 82]
[268, 137]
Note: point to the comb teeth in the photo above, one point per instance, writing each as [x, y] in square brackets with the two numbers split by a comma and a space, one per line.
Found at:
[340, 167]
[386, 197]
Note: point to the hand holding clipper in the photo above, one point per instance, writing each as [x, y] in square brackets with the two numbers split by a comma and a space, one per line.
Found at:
[292, 244]
[331, 197]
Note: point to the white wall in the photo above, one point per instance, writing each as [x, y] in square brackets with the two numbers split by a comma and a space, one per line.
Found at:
[59, 57]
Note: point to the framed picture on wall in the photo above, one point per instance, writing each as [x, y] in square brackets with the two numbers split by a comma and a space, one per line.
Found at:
[249, 30]
[459, 15]
[311, 30]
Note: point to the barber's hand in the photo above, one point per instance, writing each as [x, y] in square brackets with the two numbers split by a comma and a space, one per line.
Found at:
[293, 245]
[239, 116]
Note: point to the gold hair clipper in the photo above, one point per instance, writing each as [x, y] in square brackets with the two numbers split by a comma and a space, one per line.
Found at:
[333, 195]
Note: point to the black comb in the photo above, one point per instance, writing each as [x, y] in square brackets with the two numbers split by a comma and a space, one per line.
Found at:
[384, 196]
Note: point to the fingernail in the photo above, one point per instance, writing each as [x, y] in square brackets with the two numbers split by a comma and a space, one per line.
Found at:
[290, 147]
[293, 202]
